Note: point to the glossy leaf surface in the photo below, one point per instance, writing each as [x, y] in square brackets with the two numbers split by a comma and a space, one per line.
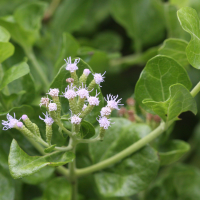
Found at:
[176, 49]
[189, 21]
[180, 100]
[158, 75]
[130, 175]
[21, 164]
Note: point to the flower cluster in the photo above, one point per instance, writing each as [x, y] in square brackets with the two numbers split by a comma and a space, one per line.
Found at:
[81, 103]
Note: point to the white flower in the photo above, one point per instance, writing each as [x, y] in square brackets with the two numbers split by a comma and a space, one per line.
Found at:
[11, 123]
[48, 120]
[69, 93]
[83, 92]
[105, 111]
[84, 107]
[99, 78]
[112, 102]
[72, 66]
[86, 72]
[44, 101]
[104, 122]
[94, 101]
[75, 119]
[54, 92]
[52, 107]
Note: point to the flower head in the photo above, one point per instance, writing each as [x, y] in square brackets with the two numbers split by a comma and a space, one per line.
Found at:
[48, 120]
[52, 107]
[69, 93]
[44, 101]
[104, 122]
[11, 123]
[86, 72]
[112, 102]
[105, 111]
[83, 92]
[75, 119]
[54, 92]
[72, 66]
[99, 78]
[94, 100]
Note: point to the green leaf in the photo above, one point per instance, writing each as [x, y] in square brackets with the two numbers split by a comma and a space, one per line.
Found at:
[50, 149]
[72, 19]
[21, 164]
[180, 182]
[7, 190]
[60, 82]
[14, 73]
[180, 100]
[69, 48]
[158, 75]
[128, 14]
[175, 48]
[4, 35]
[6, 50]
[189, 21]
[172, 151]
[179, 3]
[29, 15]
[40, 176]
[58, 188]
[87, 130]
[131, 175]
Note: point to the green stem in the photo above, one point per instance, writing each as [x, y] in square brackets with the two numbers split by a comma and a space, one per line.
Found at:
[64, 129]
[51, 9]
[72, 174]
[29, 52]
[195, 90]
[126, 152]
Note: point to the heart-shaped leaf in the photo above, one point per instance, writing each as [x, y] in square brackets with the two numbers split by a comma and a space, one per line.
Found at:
[158, 75]
[21, 164]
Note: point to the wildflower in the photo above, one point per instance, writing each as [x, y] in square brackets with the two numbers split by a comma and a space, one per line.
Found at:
[112, 102]
[72, 66]
[48, 120]
[94, 101]
[52, 107]
[69, 93]
[11, 123]
[104, 122]
[75, 119]
[86, 72]
[84, 107]
[44, 101]
[105, 111]
[54, 92]
[99, 78]
[82, 92]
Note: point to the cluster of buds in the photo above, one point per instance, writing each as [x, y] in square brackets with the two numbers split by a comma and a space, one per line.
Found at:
[130, 113]
[80, 100]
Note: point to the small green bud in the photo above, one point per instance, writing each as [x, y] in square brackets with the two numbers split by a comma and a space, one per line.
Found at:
[26, 132]
[80, 103]
[102, 133]
[75, 77]
[92, 85]
[87, 110]
[73, 106]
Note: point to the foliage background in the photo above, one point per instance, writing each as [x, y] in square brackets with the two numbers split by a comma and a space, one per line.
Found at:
[116, 36]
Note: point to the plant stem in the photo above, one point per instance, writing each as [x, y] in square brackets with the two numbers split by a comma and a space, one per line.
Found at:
[29, 52]
[195, 90]
[126, 152]
[72, 174]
